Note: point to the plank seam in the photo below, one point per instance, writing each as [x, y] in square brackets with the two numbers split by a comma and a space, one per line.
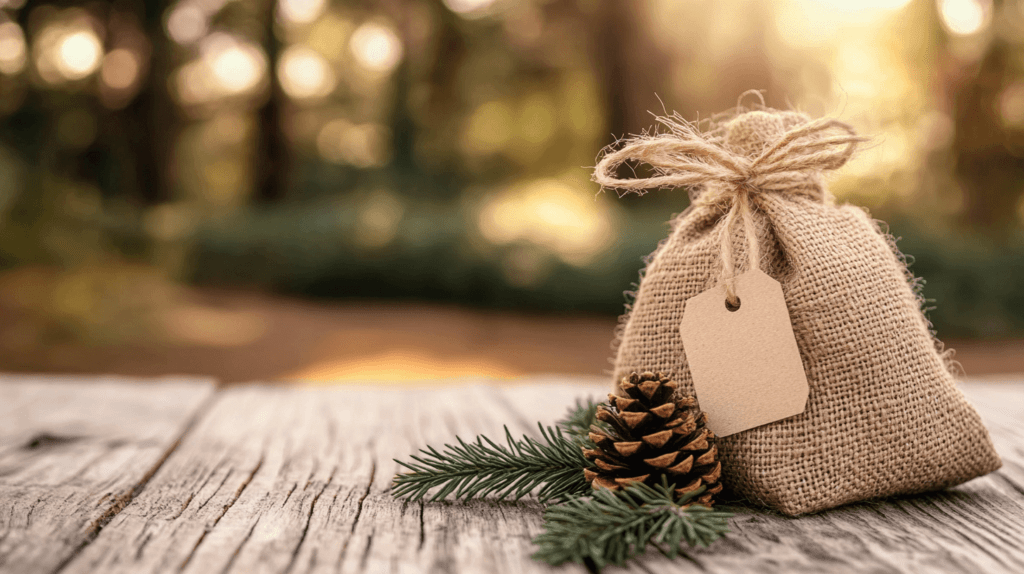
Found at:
[121, 502]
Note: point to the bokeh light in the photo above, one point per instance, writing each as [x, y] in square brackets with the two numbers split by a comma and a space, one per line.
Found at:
[1011, 105]
[360, 145]
[186, 23]
[300, 11]
[228, 66]
[238, 66]
[488, 129]
[965, 17]
[469, 8]
[566, 220]
[12, 48]
[80, 54]
[440, 150]
[120, 69]
[304, 73]
[816, 23]
[378, 219]
[376, 47]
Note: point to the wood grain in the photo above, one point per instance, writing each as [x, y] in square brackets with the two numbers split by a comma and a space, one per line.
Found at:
[284, 480]
[74, 452]
[296, 480]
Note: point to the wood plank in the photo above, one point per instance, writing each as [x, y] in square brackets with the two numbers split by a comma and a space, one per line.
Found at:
[74, 451]
[296, 480]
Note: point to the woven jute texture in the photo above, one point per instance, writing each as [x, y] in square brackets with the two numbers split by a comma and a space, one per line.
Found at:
[884, 415]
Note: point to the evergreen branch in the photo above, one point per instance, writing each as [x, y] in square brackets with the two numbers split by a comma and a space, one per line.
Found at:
[578, 419]
[608, 528]
[480, 468]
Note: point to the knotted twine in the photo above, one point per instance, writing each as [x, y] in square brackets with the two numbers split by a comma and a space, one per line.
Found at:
[757, 155]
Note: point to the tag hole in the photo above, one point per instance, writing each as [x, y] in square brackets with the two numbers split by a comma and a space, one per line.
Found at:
[733, 305]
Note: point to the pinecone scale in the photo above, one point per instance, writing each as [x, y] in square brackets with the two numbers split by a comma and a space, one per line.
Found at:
[651, 432]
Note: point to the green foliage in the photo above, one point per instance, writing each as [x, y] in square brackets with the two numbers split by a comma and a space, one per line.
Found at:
[578, 420]
[481, 468]
[609, 528]
[595, 528]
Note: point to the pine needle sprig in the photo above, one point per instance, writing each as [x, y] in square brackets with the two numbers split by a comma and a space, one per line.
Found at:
[481, 468]
[578, 420]
[610, 527]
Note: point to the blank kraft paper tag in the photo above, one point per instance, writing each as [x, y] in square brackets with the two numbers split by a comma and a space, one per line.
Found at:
[745, 363]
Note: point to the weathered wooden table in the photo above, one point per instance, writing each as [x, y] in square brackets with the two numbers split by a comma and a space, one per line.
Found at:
[115, 475]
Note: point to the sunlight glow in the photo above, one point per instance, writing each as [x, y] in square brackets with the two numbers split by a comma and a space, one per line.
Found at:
[300, 11]
[1011, 105]
[813, 23]
[376, 47]
[227, 67]
[551, 214]
[186, 23]
[488, 129]
[965, 17]
[402, 365]
[304, 73]
[120, 69]
[379, 219]
[360, 145]
[469, 8]
[238, 66]
[80, 53]
[12, 48]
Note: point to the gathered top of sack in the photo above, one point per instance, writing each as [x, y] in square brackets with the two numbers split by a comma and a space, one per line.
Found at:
[740, 152]
[743, 153]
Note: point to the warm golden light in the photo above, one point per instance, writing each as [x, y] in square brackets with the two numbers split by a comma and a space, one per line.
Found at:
[379, 217]
[79, 54]
[304, 73]
[238, 67]
[360, 145]
[120, 69]
[488, 129]
[1011, 105]
[376, 47]
[402, 365]
[186, 23]
[12, 48]
[965, 17]
[300, 11]
[469, 8]
[329, 36]
[814, 23]
[568, 221]
[227, 67]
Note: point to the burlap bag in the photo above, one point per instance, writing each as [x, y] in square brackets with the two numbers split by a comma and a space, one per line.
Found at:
[884, 415]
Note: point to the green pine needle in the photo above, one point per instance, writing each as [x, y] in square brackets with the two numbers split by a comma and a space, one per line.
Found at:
[481, 468]
[578, 420]
[609, 528]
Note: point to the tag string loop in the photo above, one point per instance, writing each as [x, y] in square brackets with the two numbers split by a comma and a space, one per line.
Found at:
[731, 172]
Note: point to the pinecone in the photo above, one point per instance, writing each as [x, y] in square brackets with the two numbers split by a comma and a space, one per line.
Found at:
[651, 433]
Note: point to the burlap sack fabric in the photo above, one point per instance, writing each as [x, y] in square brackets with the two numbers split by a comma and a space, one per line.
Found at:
[884, 416]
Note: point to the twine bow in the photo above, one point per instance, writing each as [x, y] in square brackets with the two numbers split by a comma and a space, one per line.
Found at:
[776, 161]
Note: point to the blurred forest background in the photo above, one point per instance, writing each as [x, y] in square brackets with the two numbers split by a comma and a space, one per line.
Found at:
[329, 188]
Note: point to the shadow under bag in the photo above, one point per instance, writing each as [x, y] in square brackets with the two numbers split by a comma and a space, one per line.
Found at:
[884, 415]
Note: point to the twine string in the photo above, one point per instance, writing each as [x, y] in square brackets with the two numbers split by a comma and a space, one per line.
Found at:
[687, 158]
